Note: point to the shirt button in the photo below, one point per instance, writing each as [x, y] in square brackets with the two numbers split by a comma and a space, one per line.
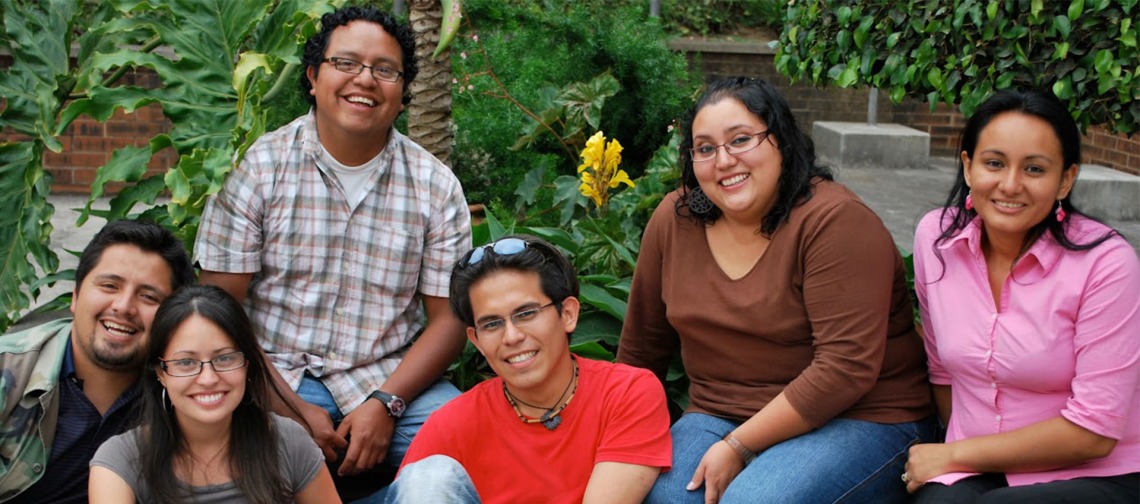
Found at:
[332, 355]
[994, 386]
[37, 468]
[997, 418]
[340, 312]
[993, 316]
[989, 353]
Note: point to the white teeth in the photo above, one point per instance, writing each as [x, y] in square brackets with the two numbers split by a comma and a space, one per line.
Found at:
[734, 180]
[361, 99]
[1008, 205]
[521, 357]
[208, 399]
[111, 326]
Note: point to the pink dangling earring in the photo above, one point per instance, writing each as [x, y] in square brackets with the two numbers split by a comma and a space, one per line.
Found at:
[1060, 212]
[969, 202]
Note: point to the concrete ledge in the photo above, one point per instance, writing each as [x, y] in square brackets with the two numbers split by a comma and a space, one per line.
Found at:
[880, 146]
[1107, 194]
[721, 46]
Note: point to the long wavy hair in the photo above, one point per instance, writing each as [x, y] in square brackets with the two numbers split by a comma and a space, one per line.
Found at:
[955, 217]
[799, 165]
[252, 455]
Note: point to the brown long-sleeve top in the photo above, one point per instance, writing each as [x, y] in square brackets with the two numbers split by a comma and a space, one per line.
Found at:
[824, 316]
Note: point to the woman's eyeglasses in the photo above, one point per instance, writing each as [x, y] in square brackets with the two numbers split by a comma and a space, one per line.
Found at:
[738, 145]
[193, 367]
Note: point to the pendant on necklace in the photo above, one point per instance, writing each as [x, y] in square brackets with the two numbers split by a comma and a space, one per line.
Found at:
[549, 421]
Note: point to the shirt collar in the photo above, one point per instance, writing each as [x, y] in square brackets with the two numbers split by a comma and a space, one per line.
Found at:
[1035, 263]
[68, 369]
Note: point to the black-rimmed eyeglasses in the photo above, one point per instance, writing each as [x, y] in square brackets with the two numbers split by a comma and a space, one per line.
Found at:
[354, 67]
[193, 367]
[738, 145]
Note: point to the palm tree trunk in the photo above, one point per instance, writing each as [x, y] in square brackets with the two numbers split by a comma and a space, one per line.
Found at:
[429, 113]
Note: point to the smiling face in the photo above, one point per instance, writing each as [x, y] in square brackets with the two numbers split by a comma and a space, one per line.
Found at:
[356, 112]
[533, 360]
[209, 398]
[114, 308]
[744, 185]
[1016, 176]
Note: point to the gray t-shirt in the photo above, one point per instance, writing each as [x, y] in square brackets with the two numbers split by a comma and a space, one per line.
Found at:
[301, 459]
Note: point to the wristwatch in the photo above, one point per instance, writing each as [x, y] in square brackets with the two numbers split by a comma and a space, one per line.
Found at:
[395, 405]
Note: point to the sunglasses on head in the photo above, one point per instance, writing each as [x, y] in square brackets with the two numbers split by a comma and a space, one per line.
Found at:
[504, 247]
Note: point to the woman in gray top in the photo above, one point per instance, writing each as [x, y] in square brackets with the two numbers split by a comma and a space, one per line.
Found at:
[206, 433]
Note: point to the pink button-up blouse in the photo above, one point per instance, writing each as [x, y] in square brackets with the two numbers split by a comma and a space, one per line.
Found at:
[1066, 340]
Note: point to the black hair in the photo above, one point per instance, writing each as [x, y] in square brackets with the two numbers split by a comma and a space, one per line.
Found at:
[956, 217]
[315, 47]
[253, 456]
[556, 273]
[147, 236]
[799, 164]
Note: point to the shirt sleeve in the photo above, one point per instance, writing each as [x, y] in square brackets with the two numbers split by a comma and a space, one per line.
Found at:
[637, 425]
[120, 454]
[849, 267]
[230, 235]
[302, 458]
[647, 339]
[924, 256]
[1106, 345]
[448, 238]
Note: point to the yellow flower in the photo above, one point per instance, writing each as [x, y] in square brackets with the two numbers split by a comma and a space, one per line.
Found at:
[604, 163]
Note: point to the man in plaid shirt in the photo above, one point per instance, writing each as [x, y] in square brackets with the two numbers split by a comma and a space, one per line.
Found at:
[338, 234]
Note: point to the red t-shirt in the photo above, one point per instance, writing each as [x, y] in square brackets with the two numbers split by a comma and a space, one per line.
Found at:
[618, 414]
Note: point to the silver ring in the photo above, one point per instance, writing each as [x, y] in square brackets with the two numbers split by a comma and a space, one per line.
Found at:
[905, 478]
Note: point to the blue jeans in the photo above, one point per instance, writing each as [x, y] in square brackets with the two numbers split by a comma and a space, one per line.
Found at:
[843, 461]
[432, 480]
[315, 392]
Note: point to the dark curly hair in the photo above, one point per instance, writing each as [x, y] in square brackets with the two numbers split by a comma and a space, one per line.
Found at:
[316, 46]
[799, 165]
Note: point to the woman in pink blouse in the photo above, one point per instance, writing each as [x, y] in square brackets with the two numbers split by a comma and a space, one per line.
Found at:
[1032, 318]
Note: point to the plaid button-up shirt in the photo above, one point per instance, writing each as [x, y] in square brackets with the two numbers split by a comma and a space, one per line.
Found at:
[336, 289]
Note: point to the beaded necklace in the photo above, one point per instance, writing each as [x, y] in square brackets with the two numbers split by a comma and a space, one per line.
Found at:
[552, 418]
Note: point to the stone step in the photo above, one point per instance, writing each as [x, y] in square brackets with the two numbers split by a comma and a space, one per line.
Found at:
[1107, 194]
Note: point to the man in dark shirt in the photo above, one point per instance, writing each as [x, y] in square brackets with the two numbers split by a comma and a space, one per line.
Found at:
[69, 384]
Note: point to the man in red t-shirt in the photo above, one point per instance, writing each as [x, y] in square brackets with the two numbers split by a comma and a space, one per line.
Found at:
[551, 427]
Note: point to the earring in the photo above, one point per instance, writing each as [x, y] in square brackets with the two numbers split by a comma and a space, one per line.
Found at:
[164, 399]
[1060, 212]
[698, 202]
[969, 202]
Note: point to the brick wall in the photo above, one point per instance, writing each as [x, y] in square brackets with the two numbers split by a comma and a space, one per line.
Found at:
[810, 104]
[88, 144]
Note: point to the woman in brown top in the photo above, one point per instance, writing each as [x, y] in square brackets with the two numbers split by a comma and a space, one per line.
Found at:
[787, 300]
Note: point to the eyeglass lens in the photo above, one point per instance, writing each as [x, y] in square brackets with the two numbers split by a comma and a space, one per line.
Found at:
[504, 247]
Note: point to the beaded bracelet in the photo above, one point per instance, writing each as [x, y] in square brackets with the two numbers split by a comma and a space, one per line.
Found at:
[745, 454]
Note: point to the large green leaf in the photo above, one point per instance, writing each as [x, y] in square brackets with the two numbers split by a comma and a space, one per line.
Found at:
[25, 226]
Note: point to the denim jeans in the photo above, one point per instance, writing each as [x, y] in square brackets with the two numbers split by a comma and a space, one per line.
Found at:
[433, 480]
[315, 392]
[844, 461]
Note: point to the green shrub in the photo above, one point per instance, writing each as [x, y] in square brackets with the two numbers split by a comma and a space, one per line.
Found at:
[961, 51]
[533, 50]
[713, 17]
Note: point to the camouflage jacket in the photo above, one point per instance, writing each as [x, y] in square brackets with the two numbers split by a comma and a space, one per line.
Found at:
[30, 361]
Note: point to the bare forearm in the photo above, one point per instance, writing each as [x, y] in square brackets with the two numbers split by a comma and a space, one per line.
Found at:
[431, 354]
[1050, 444]
[775, 423]
[237, 284]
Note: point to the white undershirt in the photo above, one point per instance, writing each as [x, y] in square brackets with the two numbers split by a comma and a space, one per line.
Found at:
[353, 179]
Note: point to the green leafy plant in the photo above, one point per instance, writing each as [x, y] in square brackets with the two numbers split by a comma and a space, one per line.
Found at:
[961, 51]
[717, 17]
[220, 63]
[511, 63]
